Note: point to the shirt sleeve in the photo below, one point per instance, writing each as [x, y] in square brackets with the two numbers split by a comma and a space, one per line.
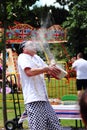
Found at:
[23, 62]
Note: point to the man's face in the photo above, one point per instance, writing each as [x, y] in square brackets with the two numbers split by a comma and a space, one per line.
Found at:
[30, 46]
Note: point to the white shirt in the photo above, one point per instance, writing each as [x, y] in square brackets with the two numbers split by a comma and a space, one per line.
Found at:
[80, 65]
[34, 87]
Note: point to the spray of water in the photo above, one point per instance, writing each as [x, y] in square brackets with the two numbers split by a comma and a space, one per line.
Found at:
[42, 44]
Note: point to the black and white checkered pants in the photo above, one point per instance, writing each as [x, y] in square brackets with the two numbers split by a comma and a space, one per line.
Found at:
[41, 116]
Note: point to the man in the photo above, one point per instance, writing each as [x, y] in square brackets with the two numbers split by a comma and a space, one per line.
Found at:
[80, 65]
[31, 69]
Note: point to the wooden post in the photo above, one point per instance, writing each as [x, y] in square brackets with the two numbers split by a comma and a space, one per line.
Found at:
[4, 65]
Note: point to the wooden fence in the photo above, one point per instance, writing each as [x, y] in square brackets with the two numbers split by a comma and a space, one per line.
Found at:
[59, 88]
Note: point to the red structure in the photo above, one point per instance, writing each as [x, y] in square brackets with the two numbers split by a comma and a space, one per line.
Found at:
[21, 32]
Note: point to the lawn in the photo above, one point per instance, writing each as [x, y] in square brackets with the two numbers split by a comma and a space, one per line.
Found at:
[55, 88]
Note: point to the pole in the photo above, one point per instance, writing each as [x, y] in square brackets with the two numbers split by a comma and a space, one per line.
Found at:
[4, 66]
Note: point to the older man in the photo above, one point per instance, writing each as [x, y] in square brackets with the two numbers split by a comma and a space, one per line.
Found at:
[41, 115]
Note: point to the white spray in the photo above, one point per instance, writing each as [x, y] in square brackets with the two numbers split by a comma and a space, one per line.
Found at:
[42, 45]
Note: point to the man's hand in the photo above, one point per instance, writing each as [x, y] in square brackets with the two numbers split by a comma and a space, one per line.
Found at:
[54, 71]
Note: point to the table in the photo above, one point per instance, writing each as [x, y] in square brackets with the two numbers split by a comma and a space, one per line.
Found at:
[68, 112]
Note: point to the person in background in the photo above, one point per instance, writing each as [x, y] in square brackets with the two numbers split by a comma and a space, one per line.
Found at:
[0, 68]
[83, 107]
[80, 66]
[73, 59]
[41, 115]
[0, 74]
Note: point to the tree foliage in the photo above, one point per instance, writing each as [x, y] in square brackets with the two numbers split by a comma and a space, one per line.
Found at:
[16, 10]
[19, 10]
[76, 25]
[63, 3]
[50, 15]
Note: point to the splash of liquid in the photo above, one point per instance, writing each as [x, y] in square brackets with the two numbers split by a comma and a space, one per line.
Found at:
[43, 45]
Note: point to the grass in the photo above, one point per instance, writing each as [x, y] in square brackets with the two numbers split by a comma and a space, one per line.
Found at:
[55, 88]
[10, 107]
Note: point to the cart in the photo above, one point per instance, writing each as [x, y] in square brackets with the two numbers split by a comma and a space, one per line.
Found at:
[13, 124]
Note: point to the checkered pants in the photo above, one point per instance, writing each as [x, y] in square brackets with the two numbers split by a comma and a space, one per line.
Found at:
[41, 116]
